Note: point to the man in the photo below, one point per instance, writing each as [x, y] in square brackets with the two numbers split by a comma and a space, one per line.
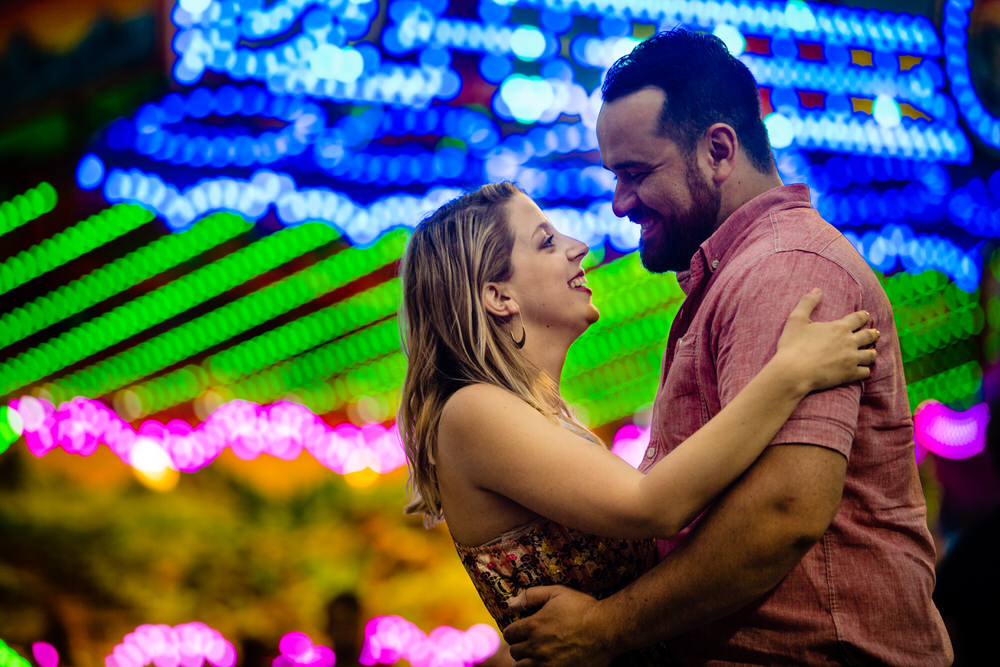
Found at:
[820, 554]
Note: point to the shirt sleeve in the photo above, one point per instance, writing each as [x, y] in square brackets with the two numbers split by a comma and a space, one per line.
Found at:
[745, 337]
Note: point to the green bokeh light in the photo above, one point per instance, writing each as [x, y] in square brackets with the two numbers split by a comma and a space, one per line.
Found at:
[118, 276]
[10, 427]
[71, 243]
[27, 206]
[162, 304]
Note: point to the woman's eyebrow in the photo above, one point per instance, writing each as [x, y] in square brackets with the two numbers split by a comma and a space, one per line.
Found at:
[543, 227]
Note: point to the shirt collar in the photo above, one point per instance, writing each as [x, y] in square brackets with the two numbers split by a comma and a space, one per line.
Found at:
[726, 238]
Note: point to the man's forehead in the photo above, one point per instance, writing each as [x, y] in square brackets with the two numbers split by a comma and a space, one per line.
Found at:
[634, 116]
[644, 101]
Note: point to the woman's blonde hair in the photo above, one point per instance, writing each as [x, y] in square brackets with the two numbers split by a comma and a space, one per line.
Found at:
[449, 338]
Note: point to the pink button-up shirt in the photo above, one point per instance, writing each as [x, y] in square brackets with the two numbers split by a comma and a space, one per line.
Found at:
[862, 594]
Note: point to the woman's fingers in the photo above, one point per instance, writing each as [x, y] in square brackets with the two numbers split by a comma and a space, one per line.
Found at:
[866, 357]
[806, 305]
[866, 337]
[856, 320]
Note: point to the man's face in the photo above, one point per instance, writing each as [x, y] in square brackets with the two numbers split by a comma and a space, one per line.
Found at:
[658, 186]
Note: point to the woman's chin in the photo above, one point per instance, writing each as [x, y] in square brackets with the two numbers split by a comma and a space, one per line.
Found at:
[591, 319]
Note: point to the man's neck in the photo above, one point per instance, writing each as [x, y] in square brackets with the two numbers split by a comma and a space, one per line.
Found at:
[743, 187]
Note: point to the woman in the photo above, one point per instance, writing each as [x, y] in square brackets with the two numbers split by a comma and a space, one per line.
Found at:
[493, 296]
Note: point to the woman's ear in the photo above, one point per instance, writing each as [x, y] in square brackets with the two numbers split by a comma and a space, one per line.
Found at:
[497, 301]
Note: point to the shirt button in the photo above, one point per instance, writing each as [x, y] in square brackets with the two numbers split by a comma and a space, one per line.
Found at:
[651, 452]
[715, 263]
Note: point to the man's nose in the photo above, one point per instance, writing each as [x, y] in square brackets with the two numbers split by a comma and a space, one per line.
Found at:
[624, 199]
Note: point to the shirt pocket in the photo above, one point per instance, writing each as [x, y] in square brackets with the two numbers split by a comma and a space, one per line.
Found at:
[681, 408]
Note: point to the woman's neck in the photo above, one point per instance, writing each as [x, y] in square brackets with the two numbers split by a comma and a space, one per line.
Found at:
[548, 356]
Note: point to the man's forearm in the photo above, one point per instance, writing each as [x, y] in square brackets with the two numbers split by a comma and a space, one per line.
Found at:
[739, 551]
[691, 588]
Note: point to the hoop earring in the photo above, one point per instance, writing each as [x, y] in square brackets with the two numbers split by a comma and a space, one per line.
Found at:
[519, 343]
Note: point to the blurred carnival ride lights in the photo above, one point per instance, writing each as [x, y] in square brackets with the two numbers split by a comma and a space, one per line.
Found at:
[387, 640]
[836, 79]
[283, 430]
[872, 80]
[286, 430]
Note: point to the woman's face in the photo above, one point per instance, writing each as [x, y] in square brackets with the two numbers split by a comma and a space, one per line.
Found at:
[547, 282]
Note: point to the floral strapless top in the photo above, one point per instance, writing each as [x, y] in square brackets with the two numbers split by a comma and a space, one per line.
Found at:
[543, 552]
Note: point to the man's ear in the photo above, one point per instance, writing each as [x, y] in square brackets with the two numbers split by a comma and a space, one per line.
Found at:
[722, 144]
[497, 301]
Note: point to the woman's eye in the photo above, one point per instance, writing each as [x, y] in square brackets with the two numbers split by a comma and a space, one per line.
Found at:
[548, 241]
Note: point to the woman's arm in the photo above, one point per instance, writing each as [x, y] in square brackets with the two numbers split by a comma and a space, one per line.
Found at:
[502, 445]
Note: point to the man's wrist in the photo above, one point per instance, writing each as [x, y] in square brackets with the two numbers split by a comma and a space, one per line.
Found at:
[603, 622]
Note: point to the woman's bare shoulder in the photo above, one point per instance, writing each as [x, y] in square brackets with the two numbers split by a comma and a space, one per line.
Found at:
[480, 409]
[478, 396]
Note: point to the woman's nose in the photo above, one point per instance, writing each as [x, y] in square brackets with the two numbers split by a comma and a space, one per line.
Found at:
[577, 250]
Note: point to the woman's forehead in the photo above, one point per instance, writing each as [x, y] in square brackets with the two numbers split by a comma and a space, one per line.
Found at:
[525, 217]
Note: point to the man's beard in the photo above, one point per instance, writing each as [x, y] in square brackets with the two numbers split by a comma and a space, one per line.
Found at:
[675, 242]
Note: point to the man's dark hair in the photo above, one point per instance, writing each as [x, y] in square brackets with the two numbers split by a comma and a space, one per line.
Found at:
[704, 84]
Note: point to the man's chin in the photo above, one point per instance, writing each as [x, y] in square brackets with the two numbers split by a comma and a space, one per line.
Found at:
[656, 262]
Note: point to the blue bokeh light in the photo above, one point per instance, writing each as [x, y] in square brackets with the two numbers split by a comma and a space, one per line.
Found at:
[779, 130]
[732, 38]
[525, 98]
[886, 112]
[89, 172]
[527, 43]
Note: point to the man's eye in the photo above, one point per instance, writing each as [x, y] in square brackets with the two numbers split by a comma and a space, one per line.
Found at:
[636, 175]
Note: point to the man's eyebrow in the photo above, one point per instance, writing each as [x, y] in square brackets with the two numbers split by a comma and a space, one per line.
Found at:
[627, 164]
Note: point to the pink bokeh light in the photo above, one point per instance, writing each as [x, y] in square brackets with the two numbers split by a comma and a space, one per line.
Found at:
[186, 645]
[630, 443]
[298, 650]
[389, 639]
[284, 430]
[948, 433]
[45, 654]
